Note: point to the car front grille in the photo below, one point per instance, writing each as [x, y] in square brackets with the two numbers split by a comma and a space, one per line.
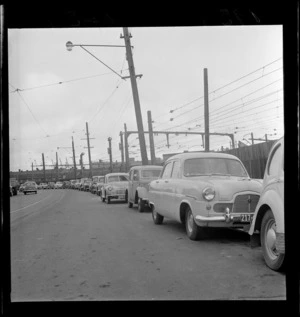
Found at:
[245, 203]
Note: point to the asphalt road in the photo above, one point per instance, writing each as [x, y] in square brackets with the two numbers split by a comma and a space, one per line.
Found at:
[68, 245]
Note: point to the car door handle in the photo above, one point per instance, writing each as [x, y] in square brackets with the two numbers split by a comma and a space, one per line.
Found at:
[166, 181]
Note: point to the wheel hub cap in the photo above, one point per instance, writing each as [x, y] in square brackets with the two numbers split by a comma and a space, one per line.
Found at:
[271, 238]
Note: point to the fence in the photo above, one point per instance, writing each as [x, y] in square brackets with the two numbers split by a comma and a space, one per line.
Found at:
[254, 157]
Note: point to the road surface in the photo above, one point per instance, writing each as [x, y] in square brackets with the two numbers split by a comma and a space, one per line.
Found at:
[68, 245]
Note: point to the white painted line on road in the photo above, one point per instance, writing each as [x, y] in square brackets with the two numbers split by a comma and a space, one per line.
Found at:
[29, 205]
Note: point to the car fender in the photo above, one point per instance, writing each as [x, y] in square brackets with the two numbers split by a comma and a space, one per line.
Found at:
[269, 200]
[142, 192]
[181, 210]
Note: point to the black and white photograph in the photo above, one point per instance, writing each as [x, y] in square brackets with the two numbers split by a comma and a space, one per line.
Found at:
[146, 163]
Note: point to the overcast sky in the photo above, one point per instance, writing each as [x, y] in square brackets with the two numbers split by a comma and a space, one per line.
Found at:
[61, 90]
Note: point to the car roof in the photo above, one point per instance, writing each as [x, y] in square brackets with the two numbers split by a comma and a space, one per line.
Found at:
[114, 174]
[184, 156]
[141, 167]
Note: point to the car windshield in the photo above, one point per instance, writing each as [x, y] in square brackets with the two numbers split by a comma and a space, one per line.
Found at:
[213, 166]
[31, 183]
[151, 173]
[117, 178]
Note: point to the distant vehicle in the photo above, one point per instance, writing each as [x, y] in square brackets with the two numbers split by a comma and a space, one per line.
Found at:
[95, 180]
[11, 190]
[15, 185]
[204, 189]
[99, 185]
[82, 180]
[30, 187]
[58, 185]
[138, 184]
[66, 184]
[115, 186]
[51, 185]
[86, 185]
[21, 188]
[44, 186]
[72, 183]
[267, 227]
[77, 184]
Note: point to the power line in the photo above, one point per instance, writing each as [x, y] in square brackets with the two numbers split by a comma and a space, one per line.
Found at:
[32, 113]
[229, 84]
[61, 82]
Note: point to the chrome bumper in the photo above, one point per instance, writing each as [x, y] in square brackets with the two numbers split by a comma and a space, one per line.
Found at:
[227, 217]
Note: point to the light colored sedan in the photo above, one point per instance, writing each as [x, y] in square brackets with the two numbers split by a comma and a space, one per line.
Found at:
[115, 186]
[58, 185]
[204, 189]
[267, 228]
[30, 187]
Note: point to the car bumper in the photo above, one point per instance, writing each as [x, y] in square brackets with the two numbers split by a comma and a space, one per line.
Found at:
[116, 196]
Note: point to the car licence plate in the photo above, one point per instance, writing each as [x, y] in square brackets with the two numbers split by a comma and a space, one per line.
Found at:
[246, 217]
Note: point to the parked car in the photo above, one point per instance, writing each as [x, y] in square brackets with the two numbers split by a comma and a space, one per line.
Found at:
[99, 185]
[72, 183]
[204, 189]
[58, 185]
[95, 180]
[11, 190]
[30, 187]
[138, 184]
[21, 188]
[15, 185]
[82, 180]
[115, 186]
[77, 184]
[86, 185]
[51, 185]
[44, 186]
[267, 227]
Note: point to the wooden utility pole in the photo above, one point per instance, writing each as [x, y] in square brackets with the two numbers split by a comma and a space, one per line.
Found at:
[121, 147]
[32, 171]
[252, 138]
[89, 148]
[81, 164]
[126, 148]
[74, 160]
[206, 112]
[44, 167]
[57, 166]
[110, 154]
[151, 139]
[135, 94]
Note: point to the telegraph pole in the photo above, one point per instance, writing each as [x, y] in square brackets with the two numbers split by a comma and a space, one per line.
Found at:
[32, 170]
[206, 112]
[121, 147]
[81, 164]
[252, 138]
[151, 139]
[74, 160]
[57, 166]
[89, 148]
[135, 94]
[110, 154]
[126, 148]
[44, 167]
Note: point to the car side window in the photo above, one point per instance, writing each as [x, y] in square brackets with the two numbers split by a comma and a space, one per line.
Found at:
[176, 170]
[275, 160]
[167, 170]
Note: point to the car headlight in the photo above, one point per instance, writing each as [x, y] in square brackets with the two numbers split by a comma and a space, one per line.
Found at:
[109, 188]
[208, 193]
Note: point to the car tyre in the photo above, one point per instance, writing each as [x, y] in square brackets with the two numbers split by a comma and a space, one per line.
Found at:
[193, 231]
[273, 259]
[157, 218]
[141, 205]
[25, 193]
